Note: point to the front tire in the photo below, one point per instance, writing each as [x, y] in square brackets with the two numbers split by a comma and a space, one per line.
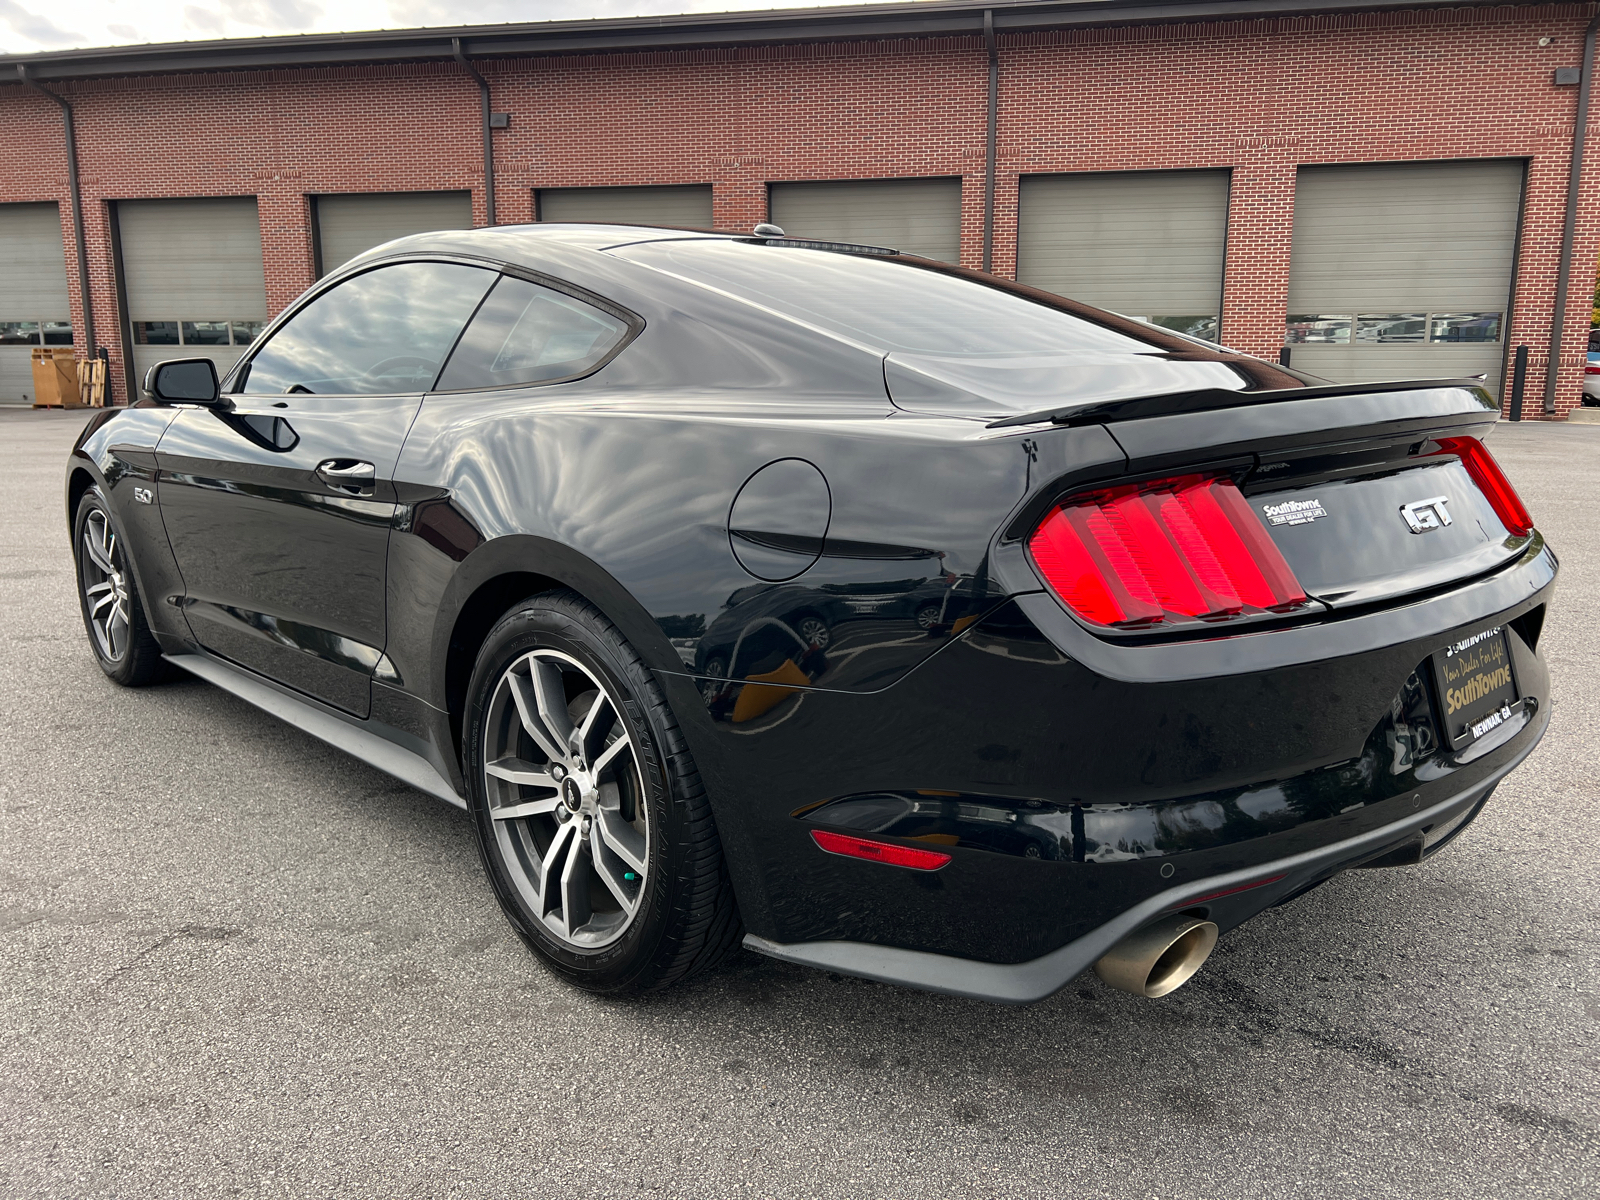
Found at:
[108, 596]
[592, 823]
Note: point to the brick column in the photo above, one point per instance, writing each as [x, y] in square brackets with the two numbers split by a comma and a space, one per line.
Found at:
[738, 198]
[1255, 294]
[286, 253]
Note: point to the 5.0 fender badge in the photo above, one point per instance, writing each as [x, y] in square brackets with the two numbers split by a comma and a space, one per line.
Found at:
[142, 495]
[1423, 515]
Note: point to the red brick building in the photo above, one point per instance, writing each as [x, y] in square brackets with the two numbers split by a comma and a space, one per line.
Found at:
[1381, 189]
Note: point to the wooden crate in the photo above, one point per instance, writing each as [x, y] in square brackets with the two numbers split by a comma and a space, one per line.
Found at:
[55, 378]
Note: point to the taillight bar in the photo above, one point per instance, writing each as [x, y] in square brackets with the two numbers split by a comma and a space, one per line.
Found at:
[1171, 550]
[1491, 481]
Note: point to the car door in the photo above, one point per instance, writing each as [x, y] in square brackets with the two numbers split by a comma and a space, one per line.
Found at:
[279, 511]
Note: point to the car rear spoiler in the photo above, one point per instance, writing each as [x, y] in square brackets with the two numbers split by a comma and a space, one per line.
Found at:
[1213, 399]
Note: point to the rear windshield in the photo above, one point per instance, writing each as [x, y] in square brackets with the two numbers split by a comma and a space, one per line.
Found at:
[905, 305]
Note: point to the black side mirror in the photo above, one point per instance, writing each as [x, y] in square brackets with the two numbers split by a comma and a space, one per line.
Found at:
[184, 381]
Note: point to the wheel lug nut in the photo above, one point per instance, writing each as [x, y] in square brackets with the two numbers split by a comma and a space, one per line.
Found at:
[558, 772]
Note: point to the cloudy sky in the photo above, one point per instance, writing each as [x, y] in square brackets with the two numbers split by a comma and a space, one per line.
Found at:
[30, 25]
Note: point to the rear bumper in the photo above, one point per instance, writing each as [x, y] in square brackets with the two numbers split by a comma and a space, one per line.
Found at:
[1251, 891]
[1078, 796]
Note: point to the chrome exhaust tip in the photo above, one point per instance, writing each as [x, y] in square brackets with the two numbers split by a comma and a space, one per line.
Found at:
[1159, 958]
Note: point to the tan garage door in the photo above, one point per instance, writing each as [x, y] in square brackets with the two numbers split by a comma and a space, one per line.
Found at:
[349, 225]
[915, 216]
[1146, 244]
[687, 207]
[33, 294]
[192, 269]
[1403, 271]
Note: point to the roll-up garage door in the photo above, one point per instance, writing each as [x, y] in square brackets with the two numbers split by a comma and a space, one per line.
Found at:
[1403, 271]
[916, 216]
[685, 206]
[349, 225]
[1146, 244]
[193, 274]
[33, 294]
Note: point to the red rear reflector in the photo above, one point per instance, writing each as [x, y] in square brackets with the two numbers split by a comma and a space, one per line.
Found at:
[1491, 481]
[1158, 552]
[1243, 887]
[884, 852]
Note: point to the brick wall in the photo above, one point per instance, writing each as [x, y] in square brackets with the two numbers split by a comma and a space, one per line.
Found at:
[1259, 97]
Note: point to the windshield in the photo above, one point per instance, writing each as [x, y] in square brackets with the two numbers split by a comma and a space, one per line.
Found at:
[908, 306]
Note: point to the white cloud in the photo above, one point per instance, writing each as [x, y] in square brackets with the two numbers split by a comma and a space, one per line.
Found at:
[120, 23]
[279, 16]
[203, 21]
[26, 31]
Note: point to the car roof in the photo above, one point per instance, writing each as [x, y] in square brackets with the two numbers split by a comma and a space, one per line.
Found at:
[512, 243]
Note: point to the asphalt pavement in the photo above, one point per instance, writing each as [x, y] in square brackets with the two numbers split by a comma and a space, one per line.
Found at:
[234, 961]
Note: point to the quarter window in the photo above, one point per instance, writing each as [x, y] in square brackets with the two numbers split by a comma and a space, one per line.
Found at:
[383, 331]
[525, 333]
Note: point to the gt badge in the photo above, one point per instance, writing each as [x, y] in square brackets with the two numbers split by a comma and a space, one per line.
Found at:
[1423, 515]
[142, 495]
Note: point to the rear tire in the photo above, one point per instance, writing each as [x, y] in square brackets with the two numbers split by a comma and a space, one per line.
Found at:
[593, 825]
[108, 596]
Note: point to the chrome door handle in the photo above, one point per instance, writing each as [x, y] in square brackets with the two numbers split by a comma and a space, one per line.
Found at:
[348, 476]
[347, 470]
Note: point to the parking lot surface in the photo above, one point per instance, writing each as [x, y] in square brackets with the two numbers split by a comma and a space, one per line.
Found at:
[234, 961]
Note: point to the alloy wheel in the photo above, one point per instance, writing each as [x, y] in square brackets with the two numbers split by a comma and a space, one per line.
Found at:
[105, 587]
[566, 798]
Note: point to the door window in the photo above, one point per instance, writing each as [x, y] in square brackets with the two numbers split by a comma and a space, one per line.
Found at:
[525, 333]
[386, 330]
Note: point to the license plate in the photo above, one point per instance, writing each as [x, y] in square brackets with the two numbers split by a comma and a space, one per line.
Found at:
[1476, 686]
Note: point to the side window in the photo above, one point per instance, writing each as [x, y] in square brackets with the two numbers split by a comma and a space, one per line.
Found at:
[387, 330]
[525, 333]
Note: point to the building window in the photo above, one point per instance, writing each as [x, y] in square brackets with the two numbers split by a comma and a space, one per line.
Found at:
[1466, 327]
[1200, 327]
[35, 333]
[1313, 328]
[205, 333]
[1392, 327]
[196, 333]
[19, 333]
[1374, 329]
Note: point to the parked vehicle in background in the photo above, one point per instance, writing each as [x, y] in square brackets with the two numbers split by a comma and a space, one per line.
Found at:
[1591, 372]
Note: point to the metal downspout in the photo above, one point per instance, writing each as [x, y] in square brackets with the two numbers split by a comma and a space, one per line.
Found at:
[488, 139]
[989, 150]
[1574, 179]
[77, 208]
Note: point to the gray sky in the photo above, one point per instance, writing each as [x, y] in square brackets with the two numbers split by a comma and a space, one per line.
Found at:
[31, 25]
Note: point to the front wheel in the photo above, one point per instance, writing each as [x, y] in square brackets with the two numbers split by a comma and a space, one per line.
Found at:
[113, 612]
[593, 825]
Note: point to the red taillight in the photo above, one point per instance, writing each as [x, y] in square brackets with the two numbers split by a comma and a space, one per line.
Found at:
[884, 852]
[1163, 551]
[1491, 481]
[1591, 368]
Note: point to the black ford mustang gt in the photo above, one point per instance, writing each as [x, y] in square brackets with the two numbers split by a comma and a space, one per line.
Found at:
[890, 617]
